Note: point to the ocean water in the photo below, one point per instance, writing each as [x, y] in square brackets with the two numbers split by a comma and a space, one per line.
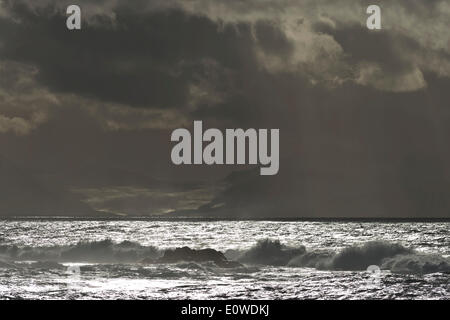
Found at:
[70, 259]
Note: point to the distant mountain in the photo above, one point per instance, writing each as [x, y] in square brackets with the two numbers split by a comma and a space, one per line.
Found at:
[22, 193]
[413, 188]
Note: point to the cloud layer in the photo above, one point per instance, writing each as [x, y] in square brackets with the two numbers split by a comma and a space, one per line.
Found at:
[203, 57]
[363, 115]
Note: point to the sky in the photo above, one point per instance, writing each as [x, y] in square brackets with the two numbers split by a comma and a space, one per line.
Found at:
[86, 115]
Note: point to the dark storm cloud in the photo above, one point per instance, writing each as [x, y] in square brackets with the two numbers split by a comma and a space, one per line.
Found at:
[154, 55]
[363, 115]
[143, 59]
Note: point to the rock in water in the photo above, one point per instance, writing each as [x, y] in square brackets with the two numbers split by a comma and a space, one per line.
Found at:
[202, 255]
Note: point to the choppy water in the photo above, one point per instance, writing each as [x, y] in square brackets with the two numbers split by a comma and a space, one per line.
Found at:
[62, 259]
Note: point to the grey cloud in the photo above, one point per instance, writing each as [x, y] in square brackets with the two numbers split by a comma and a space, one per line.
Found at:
[20, 125]
[166, 59]
[159, 55]
[162, 59]
[363, 115]
[383, 59]
[24, 104]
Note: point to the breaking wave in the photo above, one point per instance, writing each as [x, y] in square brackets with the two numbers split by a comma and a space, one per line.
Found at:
[387, 255]
[105, 251]
[267, 252]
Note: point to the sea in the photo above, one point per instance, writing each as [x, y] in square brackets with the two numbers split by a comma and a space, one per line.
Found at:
[43, 258]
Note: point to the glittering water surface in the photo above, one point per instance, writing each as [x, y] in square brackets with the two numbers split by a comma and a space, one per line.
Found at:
[35, 256]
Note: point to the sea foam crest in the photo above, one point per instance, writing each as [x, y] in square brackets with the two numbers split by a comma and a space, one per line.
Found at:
[389, 256]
